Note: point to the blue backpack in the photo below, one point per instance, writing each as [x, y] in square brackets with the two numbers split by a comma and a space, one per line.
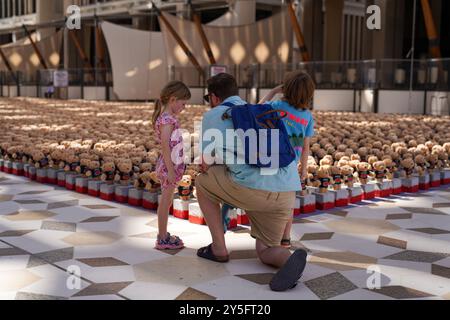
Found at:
[257, 117]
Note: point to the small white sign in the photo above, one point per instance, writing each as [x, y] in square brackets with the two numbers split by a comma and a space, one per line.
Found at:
[61, 79]
[215, 70]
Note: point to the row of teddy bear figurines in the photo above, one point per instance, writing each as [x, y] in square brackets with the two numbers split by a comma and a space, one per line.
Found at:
[141, 176]
[347, 171]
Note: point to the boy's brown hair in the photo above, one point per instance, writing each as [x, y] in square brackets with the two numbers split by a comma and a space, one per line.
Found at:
[299, 89]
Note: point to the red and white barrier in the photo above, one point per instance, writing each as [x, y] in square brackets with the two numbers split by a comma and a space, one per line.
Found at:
[242, 217]
[325, 201]
[340, 197]
[195, 214]
[32, 173]
[305, 204]
[435, 179]
[383, 189]
[135, 197]
[7, 166]
[52, 175]
[397, 186]
[410, 185]
[61, 177]
[368, 191]
[150, 200]
[121, 193]
[445, 176]
[424, 182]
[17, 168]
[107, 191]
[181, 208]
[355, 194]
[70, 181]
[81, 184]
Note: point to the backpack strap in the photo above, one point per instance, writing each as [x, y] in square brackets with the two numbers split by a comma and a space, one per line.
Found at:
[226, 115]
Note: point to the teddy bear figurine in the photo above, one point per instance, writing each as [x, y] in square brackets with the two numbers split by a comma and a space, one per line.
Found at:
[323, 175]
[153, 184]
[185, 188]
[408, 165]
[336, 175]
[313, 180]
[142, 180]
[390, 168]
[421, 164]
[108, 172]
[379, 171]
[93, 169]
[40, 160]
[432, 160]
[363, 172]
[347, 173]
[124, 171]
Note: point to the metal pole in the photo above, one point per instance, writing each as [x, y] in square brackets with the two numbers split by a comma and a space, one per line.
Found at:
[411, 76]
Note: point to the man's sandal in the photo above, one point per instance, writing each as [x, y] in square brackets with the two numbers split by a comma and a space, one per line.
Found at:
[287, 277]
[207, 253]
[286, 243]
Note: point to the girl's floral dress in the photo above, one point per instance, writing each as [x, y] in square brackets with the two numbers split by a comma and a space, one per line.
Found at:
[176, 141]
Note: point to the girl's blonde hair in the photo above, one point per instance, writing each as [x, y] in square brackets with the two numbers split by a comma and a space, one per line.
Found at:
[299, 89]
[176, 89]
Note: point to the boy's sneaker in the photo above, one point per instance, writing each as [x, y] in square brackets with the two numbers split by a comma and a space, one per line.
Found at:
[169, 243]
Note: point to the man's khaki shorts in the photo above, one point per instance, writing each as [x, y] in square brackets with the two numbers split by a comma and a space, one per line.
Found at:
[269, 212]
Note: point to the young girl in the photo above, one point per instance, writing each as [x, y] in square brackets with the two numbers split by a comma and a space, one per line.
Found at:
[298, 92]
[170, 167]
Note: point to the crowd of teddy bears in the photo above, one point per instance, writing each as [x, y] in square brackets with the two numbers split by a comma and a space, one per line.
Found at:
[114, 142]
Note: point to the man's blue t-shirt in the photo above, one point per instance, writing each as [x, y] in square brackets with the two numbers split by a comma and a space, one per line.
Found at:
[299, 125]
[282, 180]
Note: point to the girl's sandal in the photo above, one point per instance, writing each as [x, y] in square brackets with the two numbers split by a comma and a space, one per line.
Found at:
[170, 243]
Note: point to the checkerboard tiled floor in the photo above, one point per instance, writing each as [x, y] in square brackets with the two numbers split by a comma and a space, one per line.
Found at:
[46, 231]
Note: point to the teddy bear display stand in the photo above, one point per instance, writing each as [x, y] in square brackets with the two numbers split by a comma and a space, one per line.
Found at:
[135, 197]
[52, 175]
[355, 194]
[410, 184]
[107, 191]
[70, 180]
[61, 176]
[26, 167]
[195, 214]
[81, 184]
[396, 186]
[32, 172]
[121, 193]
[1, 164]
[233, 216]
[242, 217]
[305, 204]
[340, 197]
[383, 189]
[181, 208]
[41, 175]
[399, 174]
[94, 187]
[324, 201]
[435, 179]
[445, 176]
[369, 190]
[150, 200]
[424, 182]
[7, 166]
[17, 168]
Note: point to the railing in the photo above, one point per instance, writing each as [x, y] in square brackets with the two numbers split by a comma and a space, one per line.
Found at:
[371, 74]
[44, 79]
